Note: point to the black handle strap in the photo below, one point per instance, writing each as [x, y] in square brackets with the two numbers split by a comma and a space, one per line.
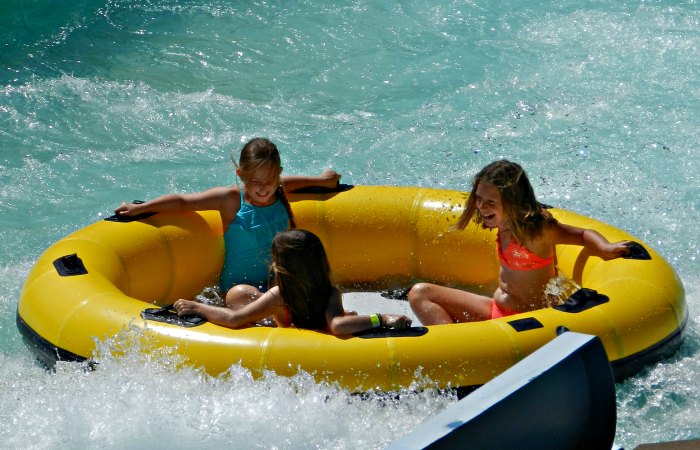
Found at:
[165, 314]
[127, 219]
[384, 332]
[323, 190]
[637, 251]
[582, 300]
[70, 265]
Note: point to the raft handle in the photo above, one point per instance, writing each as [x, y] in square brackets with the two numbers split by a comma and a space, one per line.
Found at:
[385, 332]
[637, 251]
[127, 219]
[165, 314]
[526, 324]
[582, 300]
[70, 265]
[340, 187]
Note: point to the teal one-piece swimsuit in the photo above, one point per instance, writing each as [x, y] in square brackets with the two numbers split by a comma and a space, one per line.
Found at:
[247, 244]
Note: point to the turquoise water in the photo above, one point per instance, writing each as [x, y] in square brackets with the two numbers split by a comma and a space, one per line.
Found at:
[105, 101]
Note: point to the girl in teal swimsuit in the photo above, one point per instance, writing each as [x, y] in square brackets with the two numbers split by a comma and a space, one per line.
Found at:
[251, 215]
[502, 198]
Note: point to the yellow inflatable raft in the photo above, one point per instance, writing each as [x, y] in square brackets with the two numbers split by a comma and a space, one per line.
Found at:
[114, 275]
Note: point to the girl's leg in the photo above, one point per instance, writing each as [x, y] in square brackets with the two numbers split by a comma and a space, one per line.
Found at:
[435, 305]
[242, 294]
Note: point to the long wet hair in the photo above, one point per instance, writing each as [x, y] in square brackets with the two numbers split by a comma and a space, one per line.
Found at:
[303, 275]
[261, 153]
[524, 214]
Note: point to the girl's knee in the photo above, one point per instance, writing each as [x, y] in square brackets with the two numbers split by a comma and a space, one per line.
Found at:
[240, 295]
[418, 293]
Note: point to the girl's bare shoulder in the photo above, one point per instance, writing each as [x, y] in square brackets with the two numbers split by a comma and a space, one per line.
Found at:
[561, 233]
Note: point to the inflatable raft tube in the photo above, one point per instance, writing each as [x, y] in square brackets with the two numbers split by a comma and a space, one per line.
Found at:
[117, 274]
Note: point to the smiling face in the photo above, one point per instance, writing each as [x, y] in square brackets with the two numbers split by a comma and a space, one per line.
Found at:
[490, 206]
[261, 185]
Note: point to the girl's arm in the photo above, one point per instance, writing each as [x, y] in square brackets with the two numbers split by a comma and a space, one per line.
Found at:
[218, 198]
[328, 179]
[340, 323]
[591, 240]
[268, 304]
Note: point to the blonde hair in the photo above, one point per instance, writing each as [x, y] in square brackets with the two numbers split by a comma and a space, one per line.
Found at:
[256, 154]
[524, 214]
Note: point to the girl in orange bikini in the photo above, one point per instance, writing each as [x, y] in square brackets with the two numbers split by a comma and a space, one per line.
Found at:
[502, 198]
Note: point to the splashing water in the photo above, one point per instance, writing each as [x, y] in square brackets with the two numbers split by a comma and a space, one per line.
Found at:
[559, 289]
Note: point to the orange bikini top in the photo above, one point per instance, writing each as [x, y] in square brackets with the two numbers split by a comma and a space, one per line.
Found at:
[517, 257]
